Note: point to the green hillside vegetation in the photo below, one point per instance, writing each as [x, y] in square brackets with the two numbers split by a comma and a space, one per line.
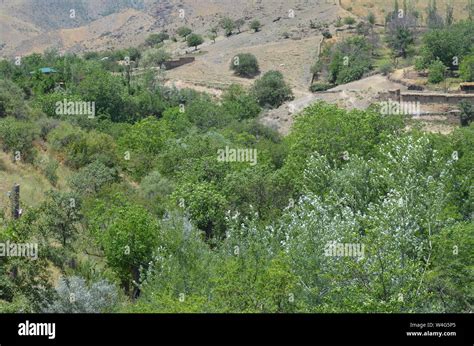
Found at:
[133, 203]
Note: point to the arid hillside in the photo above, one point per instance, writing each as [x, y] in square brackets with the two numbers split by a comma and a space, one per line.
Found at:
[78, 25]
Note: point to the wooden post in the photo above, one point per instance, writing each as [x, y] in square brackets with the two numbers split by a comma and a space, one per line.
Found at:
[15, 201]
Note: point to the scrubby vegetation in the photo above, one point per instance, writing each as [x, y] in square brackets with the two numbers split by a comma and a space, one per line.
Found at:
[167, 200]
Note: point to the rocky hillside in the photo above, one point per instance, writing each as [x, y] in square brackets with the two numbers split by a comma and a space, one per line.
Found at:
[76, 25]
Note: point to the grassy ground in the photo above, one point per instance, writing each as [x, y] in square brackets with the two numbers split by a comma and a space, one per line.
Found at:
[33, 184]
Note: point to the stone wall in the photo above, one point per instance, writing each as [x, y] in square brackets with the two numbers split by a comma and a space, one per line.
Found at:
[436, 98]
[169, 65]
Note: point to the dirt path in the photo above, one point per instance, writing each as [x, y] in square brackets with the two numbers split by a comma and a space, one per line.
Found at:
[356, 95]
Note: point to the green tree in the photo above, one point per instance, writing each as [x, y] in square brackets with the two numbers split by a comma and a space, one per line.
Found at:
[106, 91]
[448, 44]
[17, 137]
[206, 207]
[466, 68]
[61, 216]
[240, 103]
[255, 25]
[128, 234]
[184, 31]
[213, 34]
[467, 113]
[142, 143]
[449, 277]
[245, 65]
[400, 35]
[272, 90]
[228, 25]
[371, 18]
[437, 72]
[194, 40]
[91, 178]
[328, 130]
[349, 60]
[155, 57]
[25, 282]
[12, 100]
[155, 39]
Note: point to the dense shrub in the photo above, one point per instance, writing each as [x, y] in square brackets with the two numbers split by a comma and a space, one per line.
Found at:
[155, 39]
[75, 295]
[245, 65]
[315, 87]
[17, 138]
[271, 90]
[447, 43]
[349, 60]
[12, 100]
[437, 72]
[194, 40]
[91, 178]
[466, 69]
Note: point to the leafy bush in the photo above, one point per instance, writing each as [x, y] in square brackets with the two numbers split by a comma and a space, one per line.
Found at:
[75, 295]
[349, 60]
[141, 143]
[12, 100]
[46, 125]
[129, 235]
[155, 39]
[206, 206]
[271, 90]
[155, 57]
[155, 188]
[184, 31]
[447, 43]
[466, 69]
[194, 40]
[49, 169]
[315, 87]
[228, 25]
[386, 68]
[349, 20]
[245, 65]
[326, 34]
[91, 178]
[240, 103]
[437, 72]
[467, 113]
[17, 137]
[81, 148]
[255, 25]
[420, 64]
